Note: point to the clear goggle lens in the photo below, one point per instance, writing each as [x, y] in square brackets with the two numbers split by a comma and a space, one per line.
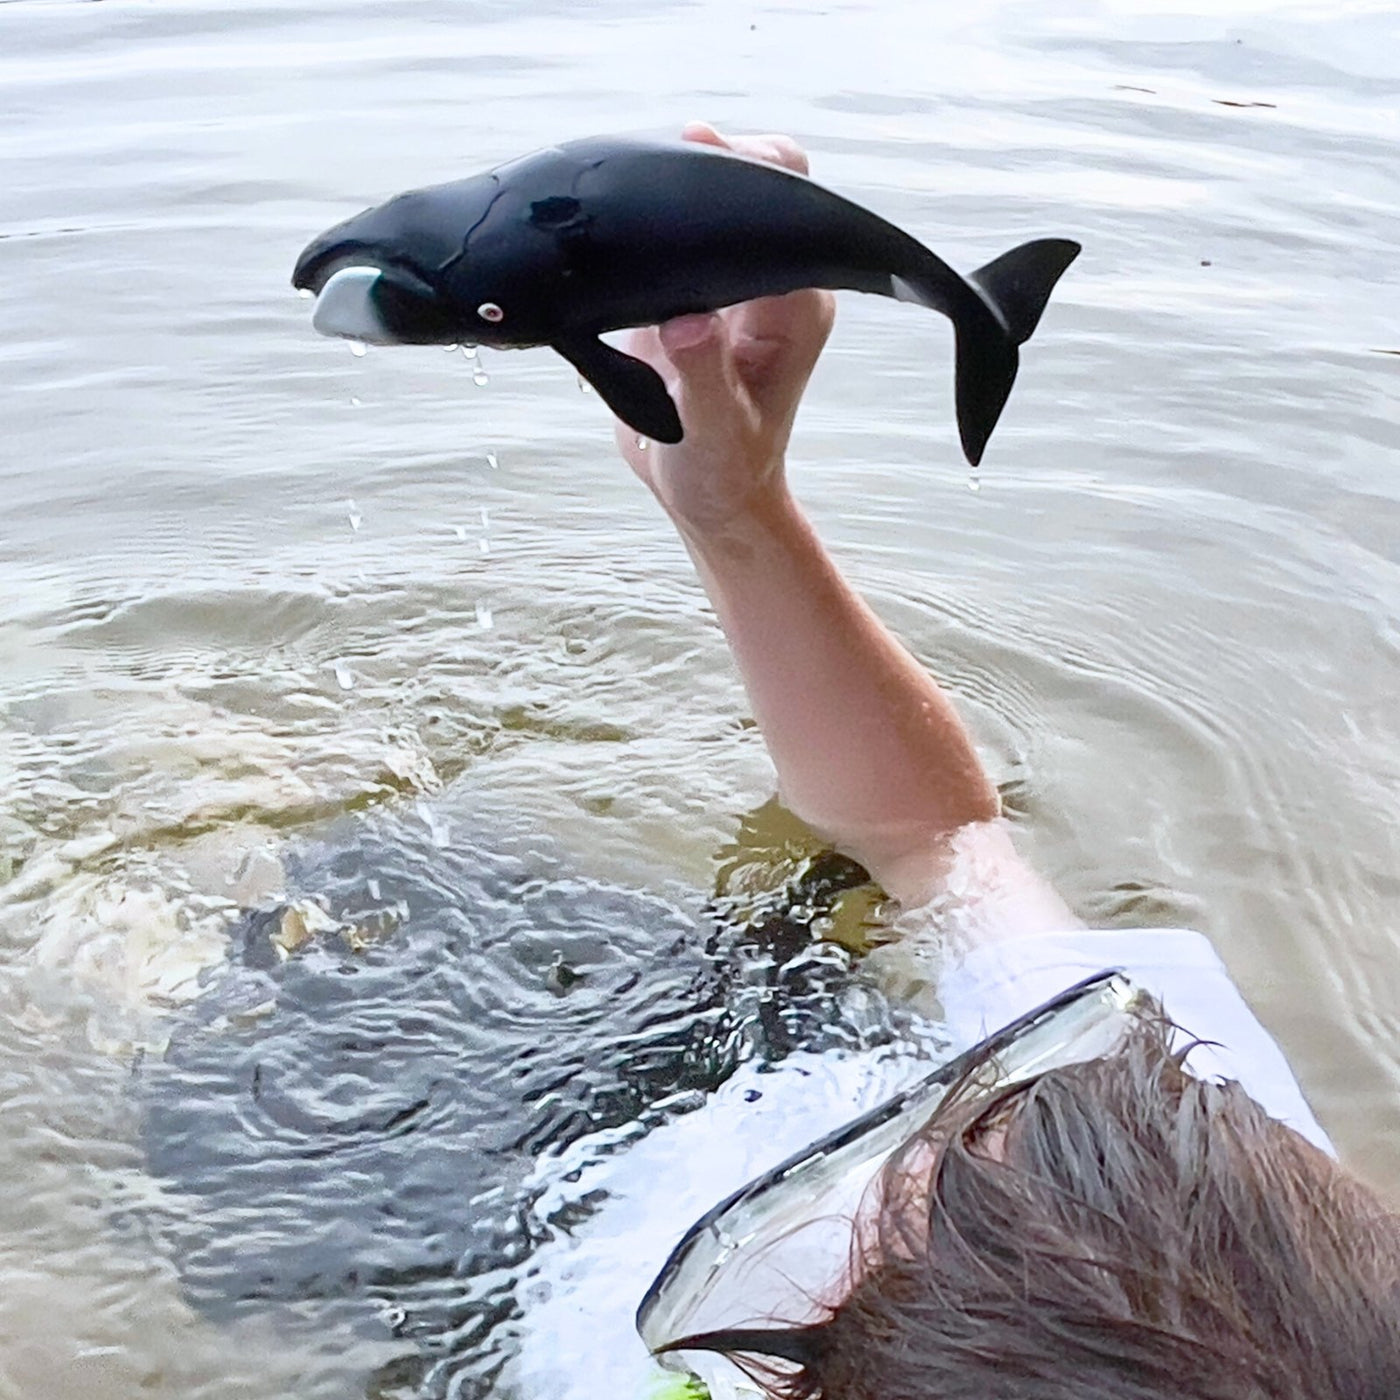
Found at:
[765, 1258]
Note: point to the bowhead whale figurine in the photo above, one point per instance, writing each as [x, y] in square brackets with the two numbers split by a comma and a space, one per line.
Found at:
[559, 247]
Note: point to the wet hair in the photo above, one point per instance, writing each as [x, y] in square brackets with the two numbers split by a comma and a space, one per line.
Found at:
[1115, 1229]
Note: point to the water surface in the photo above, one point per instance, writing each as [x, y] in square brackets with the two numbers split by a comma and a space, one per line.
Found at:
[276, 622]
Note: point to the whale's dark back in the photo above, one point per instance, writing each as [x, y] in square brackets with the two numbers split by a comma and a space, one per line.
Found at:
[674, 231]
[603, 234]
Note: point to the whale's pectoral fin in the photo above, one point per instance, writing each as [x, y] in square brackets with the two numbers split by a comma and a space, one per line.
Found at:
[632, 389]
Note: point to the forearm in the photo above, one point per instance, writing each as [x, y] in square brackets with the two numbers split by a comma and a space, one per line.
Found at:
[868, 749]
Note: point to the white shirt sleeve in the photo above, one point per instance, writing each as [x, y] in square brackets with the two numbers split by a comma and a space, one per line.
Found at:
[996, 982]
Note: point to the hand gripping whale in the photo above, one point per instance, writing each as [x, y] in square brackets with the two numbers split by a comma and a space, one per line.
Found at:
[559, 247]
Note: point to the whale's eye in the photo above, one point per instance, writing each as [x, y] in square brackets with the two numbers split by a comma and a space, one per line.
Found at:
[489, 311]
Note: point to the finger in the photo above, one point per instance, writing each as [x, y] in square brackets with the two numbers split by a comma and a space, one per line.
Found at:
[703, 134]
[694, 344]
[776, 149]
[779, 344]
[699, 349]
[797, 321]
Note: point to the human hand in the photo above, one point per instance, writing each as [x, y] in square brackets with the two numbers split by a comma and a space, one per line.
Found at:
[737, 376]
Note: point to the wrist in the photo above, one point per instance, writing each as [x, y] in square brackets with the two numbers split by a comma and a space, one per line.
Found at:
[724, 520]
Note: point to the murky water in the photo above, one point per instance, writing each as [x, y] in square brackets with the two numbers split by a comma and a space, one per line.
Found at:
[414, 654]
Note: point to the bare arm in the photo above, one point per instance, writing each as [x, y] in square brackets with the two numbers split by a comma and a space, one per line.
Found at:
[869, 750]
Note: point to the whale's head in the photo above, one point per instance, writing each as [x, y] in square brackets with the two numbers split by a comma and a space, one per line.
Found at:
[388, 275]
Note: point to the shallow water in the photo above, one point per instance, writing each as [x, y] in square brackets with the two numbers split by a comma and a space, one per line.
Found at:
[254, 590]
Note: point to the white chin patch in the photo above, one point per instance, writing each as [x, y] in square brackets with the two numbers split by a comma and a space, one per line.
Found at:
[345, 307]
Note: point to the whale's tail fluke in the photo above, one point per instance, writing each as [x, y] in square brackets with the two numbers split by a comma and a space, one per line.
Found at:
[1015, 288]
[1008, 297]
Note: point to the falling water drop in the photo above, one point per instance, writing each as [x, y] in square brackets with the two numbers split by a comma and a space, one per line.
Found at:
[584, 387]
[974, 482]
[485, 547]
[492, 461]
[344, 677]
[483, 617]
[480, 378]
[305, 293]
[354, 516]
[485, 519]
[460, 531]
[450, 349]
[359, 349]
[469, 352]
[643, 442]
[356, 402]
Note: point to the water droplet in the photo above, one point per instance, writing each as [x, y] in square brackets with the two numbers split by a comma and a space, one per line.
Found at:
[485, 519]
[974, 483]
[354, 516]
[584, 387]
[485, 546]
[469, 352]
[356, 403]
[305, 293]
[450, 349]
[643, 442]
[492, 461]
[483, 617]
[460, 531]
[359, 349]
[345, 678]
[480, 377]
[373, 884]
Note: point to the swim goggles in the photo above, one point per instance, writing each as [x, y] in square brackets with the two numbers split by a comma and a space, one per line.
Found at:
[735, 1271]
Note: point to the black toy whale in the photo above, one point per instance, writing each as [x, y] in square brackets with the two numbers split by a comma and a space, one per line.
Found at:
[593, 236]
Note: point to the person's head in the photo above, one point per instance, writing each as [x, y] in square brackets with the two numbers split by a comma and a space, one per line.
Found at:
[1116, 1228]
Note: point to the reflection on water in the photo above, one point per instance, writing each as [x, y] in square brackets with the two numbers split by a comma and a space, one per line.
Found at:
[291, 632]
